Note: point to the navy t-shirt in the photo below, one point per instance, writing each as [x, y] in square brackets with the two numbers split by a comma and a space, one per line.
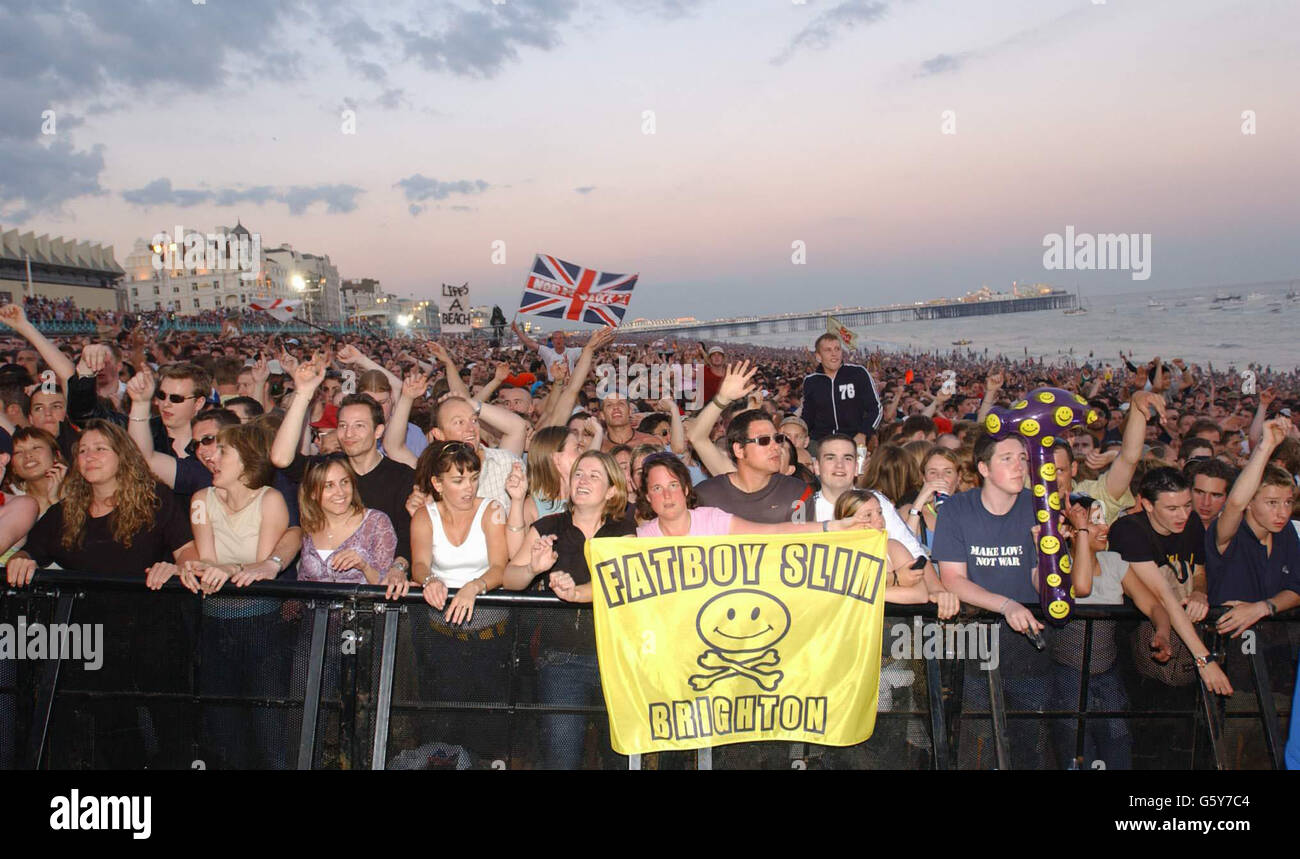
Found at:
[998, 551]
[1246, 570]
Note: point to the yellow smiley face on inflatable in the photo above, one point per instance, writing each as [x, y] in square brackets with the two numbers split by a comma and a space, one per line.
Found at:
[1064, 415]
[1020, 404]
[1029, 428]
[1080, 400]
[1049, 440]
[993, 423]
[1054, 501]
[1058, 609]
[1039, 490]
[1047, 397]
[1048, 471]
[1053, 580]
[1092, 416]
[1065, 563]
[1043, 515]
[1049, 545]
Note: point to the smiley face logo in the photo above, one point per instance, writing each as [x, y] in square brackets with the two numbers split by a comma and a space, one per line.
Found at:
[1092, 416]
[1048, 471]
[1046, 397]
[741, 628]
[1020, 404]
[1039, 490]
[742, 620]
[1058, 609]
[1043, 516]
[1053, 580]
[1054, 501]
[1064, 415]
[1065, 564]
[1072, 596]
[1049, 440]
[993, 424]
[1049, 545]
[1080, 400]
[1029, 427]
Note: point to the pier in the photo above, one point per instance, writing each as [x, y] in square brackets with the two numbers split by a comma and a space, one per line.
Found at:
[854, 317]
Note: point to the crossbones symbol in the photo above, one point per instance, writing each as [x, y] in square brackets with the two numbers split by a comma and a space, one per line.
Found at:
[720, 666]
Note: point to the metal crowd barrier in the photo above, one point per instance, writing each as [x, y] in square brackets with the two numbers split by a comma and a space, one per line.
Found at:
[308, 675]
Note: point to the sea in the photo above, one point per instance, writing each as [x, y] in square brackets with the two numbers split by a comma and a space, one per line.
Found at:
[1259, 329]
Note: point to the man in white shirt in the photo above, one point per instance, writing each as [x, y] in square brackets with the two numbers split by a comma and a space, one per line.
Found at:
[548, 355]
[836, 465]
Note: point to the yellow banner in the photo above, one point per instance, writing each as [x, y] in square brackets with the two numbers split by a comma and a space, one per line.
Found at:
[706, 641]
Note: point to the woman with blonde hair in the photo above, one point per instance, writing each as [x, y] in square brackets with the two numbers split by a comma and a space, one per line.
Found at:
[554, 548]
[941, 469]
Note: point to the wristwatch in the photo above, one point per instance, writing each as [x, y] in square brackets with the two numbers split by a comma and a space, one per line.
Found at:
[913, 512]
[279, 563]
[1202, 661]
[478, 406]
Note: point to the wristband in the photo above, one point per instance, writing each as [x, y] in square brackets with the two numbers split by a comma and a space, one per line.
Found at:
[717, 402]
[141, 420]
[515, 530]
[913, 512]
[1272, 607]
[1004, 604]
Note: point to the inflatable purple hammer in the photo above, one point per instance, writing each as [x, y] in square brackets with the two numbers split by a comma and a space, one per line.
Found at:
[1038, 421]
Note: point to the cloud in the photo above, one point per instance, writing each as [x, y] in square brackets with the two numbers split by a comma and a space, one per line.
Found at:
[941, 63]
[826, 27]
[391, 99]
[419, 188]
[585, 189]
[664, 8]
[338, 199]
[36, 179]
[479, 43]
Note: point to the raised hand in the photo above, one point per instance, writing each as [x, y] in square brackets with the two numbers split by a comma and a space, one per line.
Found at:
[93, 359]
[502, 371]
[516, 484]
[261, 370]
[543, 555]
[12, 315]
[993, 382]
[140, 388]
[736, 383]
[1275, 432]
[349, 354]
[415, 384]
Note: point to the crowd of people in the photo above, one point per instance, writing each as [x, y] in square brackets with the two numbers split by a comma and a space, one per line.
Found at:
[454, 468]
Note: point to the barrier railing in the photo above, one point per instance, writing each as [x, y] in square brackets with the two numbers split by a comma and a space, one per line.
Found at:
[311, 675]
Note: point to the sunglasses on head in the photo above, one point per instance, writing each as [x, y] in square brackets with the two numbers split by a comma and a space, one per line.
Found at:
[175, 398]
[765, 440]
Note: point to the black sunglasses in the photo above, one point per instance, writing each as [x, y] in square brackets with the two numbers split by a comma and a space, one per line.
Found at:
[765, 440]
[175, 398]
[206, 440]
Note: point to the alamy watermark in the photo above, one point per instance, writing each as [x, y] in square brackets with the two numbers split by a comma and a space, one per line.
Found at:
[1100, 251]
[918, 640]
[81, 642]
[673, 381]
[241, 252]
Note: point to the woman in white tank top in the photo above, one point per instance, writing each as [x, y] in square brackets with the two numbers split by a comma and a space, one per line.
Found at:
[457, 540]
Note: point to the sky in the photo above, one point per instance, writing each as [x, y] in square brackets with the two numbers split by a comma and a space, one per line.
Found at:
[912, 148]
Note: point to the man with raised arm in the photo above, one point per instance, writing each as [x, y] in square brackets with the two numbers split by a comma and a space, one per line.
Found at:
[568, 354]
[1253, 552]
[384, 484]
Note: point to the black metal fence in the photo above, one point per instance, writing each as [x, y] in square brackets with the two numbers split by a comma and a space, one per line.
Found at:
[325, 676]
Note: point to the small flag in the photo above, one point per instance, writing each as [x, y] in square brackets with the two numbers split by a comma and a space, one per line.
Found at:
[565, 290]
[282, 309]
[842, 331]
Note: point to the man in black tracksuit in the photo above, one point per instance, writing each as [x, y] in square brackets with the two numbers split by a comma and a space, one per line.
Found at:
[839, 397]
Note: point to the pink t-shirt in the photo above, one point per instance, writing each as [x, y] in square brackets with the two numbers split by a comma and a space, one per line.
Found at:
[705, 522]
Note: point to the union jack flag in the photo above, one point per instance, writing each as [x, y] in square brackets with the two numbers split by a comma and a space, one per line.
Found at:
[564, 290]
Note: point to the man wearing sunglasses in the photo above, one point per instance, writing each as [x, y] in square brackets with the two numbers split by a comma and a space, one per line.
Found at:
[182, 390]
[755, 490]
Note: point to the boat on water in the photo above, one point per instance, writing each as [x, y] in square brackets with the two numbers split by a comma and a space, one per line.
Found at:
[961, 342]
[1293, 296]
[1075, 311]
[1224, 298]
[1152, 304]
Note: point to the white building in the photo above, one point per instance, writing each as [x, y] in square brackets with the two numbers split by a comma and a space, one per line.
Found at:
[315, 279]
[219, 282]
